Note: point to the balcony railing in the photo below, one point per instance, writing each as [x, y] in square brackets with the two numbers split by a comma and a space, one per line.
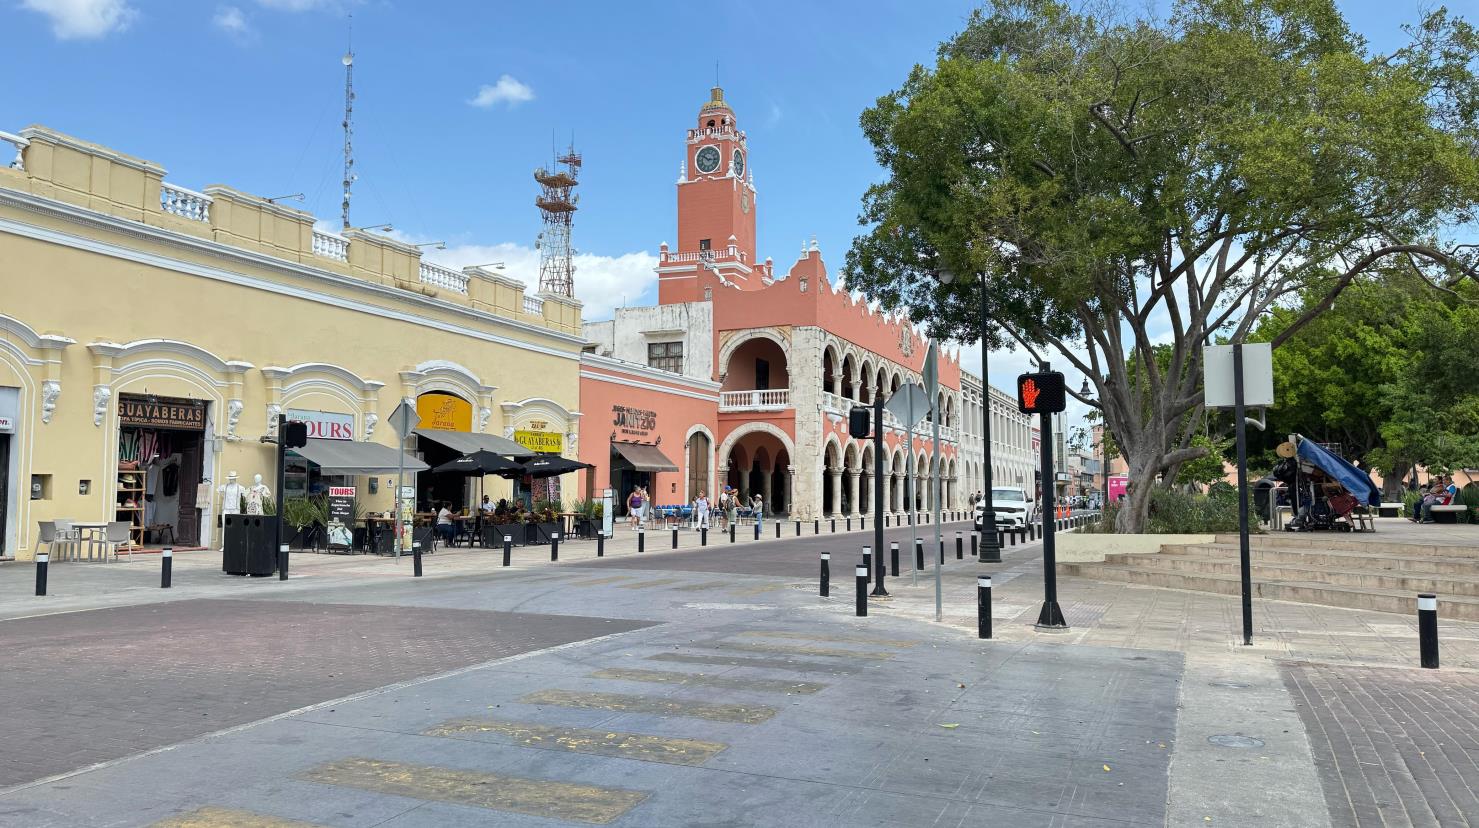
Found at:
[443, 277]
[187, 204]
[331, 246]
[533, 305]
[769, 400]
[20, 145]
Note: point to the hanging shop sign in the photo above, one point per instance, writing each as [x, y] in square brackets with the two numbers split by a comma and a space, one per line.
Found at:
[325, 425]
[634, 422]
[544, 442]
[341, 517]
[446, 412]
[7, 425]
[161, 412]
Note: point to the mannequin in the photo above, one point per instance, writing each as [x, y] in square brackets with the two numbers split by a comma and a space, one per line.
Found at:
[256, 494]
[231, 493]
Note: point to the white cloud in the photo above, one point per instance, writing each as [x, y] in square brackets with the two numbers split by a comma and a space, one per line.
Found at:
[602, 283]
[233, 22]
[299, 5]
[84, 19]
[507, 90]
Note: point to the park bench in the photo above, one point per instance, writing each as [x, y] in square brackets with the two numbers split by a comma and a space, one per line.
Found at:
[1448, 514]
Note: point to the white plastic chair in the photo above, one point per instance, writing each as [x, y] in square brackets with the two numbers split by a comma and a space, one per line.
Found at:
[116, 534]
[68, 539]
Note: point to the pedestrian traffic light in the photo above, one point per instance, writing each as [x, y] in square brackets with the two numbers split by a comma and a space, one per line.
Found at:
[1041, 393]
[294, 434]
[858, 424]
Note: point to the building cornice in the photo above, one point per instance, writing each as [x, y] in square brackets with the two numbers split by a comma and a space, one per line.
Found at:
[639, 370]
[100, 221]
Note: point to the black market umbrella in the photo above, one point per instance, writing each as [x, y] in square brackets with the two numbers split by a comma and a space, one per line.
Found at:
[551, 465]
[478, 464]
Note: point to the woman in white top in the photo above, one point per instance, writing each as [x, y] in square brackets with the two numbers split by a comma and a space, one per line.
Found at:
[701, 512]
[445, 528]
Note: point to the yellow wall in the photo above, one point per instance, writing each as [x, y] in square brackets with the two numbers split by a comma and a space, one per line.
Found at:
[225, 310]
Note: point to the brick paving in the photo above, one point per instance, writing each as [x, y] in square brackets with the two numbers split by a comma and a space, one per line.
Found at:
[86, 687]
[1392, 747]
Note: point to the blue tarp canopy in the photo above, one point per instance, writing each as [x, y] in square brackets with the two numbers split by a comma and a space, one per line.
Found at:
[1355, 481]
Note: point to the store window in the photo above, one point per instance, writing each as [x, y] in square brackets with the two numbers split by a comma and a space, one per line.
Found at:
[665, 356]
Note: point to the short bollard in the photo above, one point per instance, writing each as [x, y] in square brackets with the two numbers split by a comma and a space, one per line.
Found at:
[816, 527]
[959, 546]
[862, 591]
[1001, 538]
[919, 553]
[798, 528]
[416, 559]
[868, 562]
[826, 574]
[757, 530]
[675, 537]
[508, 548]
[885, 521]
[41, 563]
[777, 530]
[282, 562]
[863, 524]
[166, 565]
[834, 526]
[554, 546]
[941, 552]
[642, 539]
[983, 606]
[849, 524]
[1012, 538]
[703, 536]
[893, 554]
[731, 533]
[974, 542]
[1427, 629]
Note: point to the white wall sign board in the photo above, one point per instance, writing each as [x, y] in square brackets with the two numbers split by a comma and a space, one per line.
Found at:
[1258, 375]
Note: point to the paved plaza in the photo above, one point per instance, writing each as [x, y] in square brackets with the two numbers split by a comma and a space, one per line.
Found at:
[709, 686]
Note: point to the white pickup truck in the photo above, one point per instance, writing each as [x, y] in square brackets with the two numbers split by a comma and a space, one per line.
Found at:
[1012, 507]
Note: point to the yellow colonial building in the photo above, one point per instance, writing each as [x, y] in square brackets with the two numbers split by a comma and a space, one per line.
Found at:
[150, 335]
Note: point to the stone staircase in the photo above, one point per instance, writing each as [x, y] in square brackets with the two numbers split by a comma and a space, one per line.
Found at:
[1322, 568]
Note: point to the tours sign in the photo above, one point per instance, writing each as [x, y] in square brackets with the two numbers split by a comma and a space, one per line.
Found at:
[325, 425]
[341, 517]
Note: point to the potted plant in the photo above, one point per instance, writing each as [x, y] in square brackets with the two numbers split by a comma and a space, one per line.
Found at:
[588, 517]
[305, 516]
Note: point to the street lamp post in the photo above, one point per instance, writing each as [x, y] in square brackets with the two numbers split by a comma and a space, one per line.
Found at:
[990, 549]
[1103, 453]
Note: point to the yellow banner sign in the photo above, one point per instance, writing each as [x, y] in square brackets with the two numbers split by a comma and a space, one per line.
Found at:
[546, 442]
[444, 411]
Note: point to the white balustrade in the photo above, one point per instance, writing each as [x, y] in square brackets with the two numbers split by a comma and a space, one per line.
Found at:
[185, 203]
[533, 305]
[443, 277]
[20, 145]
[833, 402]
[330, 246]
[757, 400]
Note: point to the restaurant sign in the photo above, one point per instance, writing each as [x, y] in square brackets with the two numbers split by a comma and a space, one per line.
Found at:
[161, 412]
[636, 422]
[325, 425]
[544, 442]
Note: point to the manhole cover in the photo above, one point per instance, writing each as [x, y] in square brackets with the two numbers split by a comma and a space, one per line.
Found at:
[1233, 741]
[1231, 685]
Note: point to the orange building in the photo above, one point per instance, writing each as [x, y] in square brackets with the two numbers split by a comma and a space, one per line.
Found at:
[764, 365]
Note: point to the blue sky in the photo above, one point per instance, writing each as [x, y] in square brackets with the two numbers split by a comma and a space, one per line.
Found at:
[458, 101]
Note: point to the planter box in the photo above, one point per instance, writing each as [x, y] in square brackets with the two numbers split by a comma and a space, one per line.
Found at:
[539, 533]
[1072, 547]
[515, 531]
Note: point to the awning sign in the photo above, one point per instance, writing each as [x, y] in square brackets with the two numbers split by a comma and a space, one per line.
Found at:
[544, 442]
[325, 425]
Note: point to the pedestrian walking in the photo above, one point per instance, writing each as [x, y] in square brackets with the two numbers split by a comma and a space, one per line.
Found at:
[758, 506]
[700, 512]
[731, 508]
[634, 508]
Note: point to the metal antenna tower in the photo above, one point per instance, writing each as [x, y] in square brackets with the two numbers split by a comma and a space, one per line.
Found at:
[349, 176]
[557, 205]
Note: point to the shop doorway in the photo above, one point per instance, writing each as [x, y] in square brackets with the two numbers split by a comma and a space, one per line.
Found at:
[624, 481]
[161, 463]
[4, 491]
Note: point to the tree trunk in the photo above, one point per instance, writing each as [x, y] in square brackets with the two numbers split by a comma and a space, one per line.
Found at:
[1392, 483]
[1134, 512]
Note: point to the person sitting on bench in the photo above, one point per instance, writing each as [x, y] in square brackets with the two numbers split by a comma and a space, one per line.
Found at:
[1442, 494]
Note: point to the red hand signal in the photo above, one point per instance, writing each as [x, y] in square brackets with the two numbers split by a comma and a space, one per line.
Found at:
[1029, 393]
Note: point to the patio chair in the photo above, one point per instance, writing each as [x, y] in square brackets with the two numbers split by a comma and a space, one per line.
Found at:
[116, 534]
[49, 536]
[69, 539]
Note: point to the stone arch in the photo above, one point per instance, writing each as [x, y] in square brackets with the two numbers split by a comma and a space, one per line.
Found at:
[757, 427]
[866, 380]
[703, 478]
[726, 352]
[850, 376]
[830, 367]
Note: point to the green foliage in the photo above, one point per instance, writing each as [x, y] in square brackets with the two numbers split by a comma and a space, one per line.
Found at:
[299, 512]
[1207, 468]
[1410, 500]
[591, 509]
[1173, 512]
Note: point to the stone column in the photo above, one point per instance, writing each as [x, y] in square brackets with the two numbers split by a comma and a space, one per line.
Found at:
[852, 488]
[836, 491]
[766, 489]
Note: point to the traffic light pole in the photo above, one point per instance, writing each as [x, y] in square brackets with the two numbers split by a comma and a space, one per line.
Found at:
[990, 549]
[878, 559]
[1051, 616]
[281, 536]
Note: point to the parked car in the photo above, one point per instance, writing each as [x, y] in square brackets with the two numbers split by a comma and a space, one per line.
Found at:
[1012, 506]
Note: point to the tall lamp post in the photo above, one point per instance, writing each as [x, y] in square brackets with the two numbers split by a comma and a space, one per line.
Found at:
[1102, 454]
[990, 549]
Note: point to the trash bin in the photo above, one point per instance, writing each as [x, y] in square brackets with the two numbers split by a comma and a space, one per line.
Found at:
[234, 544]
[261, 553]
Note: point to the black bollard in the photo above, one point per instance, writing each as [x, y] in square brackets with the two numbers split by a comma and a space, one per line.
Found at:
[1032, 532]
[703, 536]
[1001, 538]
[554, 546]
[849, 524]
[416, 559]
[974, 542]
[731, 533]
[941, 552]
[642, 539]
[862, 592]
[1427, 629]
[508, 548]
[757, 530]
[918, 554]
[868, 562]
[826, 573]
[959, 546]
[834, 526]
[798, 528]
[885, 521]
[816, 527]
[282, 562]
[675, 537]
[862, 524]
[600, 545]
[777, 530]
[1012, 538]
[983, 606]
[166, 566]
[893, 554]
[41, 563]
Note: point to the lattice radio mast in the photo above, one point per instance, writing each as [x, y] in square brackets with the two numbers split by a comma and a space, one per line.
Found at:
[349, 176]
[557, 205]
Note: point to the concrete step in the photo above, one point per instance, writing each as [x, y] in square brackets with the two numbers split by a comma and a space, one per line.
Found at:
[1336, 541]
[1460, 607]
[1374, 560]
[1393, 579]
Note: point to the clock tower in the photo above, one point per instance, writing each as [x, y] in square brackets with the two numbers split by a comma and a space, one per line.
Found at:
[716, 197]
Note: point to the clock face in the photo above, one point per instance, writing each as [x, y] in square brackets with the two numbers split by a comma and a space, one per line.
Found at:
[739, 163]
[707, 159]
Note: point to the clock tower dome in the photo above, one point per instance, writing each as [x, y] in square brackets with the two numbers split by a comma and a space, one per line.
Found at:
[716, 199]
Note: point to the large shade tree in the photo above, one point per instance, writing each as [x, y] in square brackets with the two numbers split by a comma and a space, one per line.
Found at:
[1119, 184]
